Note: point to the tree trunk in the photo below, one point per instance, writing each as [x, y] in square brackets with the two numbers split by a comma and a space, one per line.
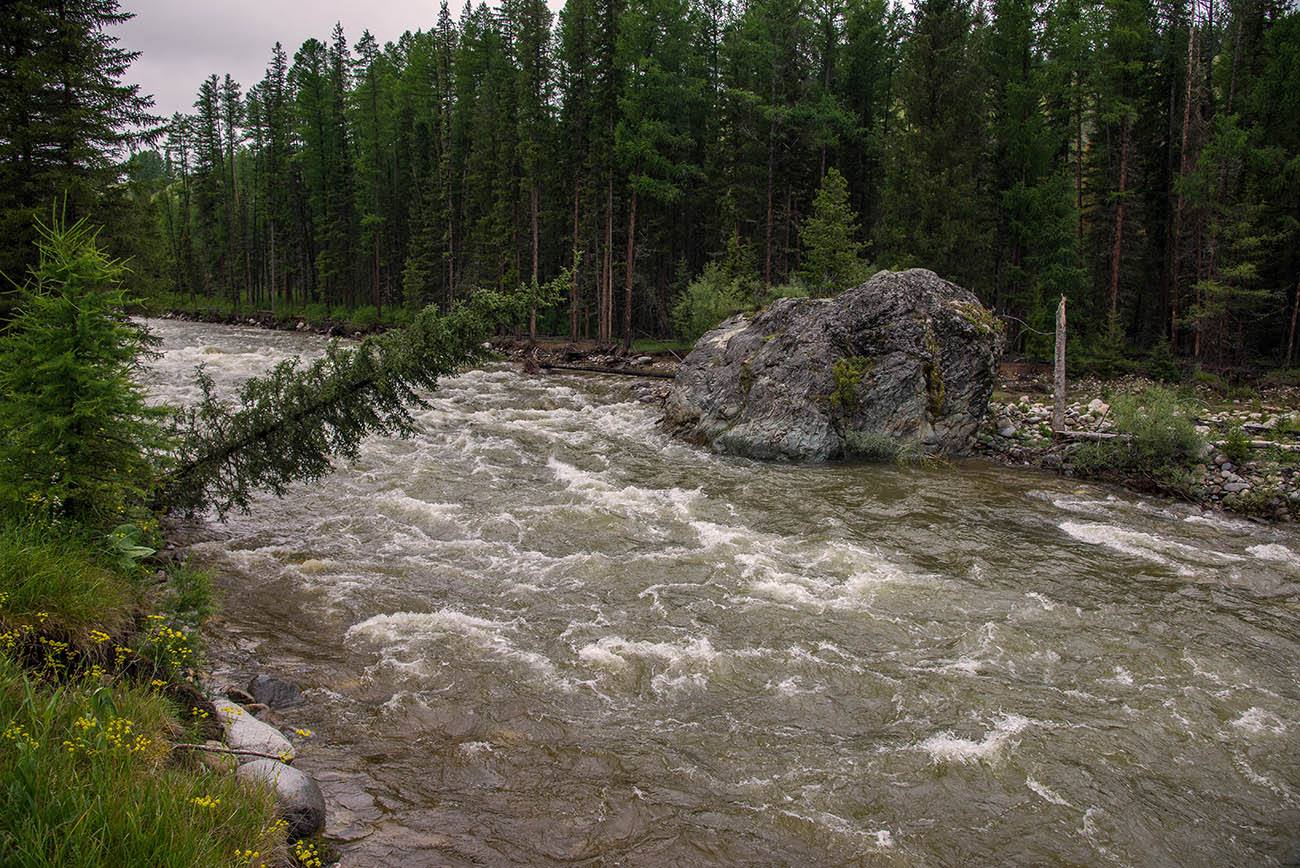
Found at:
[605, 323]
[1290, 341]
[631, 257]
[573, 289]
[1078, 152]
[1058, 403]
[532, 218]
[1174, 288]
[1119, 219]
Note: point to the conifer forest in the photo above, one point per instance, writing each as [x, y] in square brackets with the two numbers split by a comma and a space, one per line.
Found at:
[1139, 157]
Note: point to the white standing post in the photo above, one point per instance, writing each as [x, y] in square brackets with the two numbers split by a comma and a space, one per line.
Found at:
[1058, 409]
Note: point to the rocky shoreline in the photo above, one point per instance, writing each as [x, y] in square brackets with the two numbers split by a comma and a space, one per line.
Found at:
[255, 751]
[1017, 432]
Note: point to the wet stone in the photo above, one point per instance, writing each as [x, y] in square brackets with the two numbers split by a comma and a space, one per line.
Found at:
[275, 692]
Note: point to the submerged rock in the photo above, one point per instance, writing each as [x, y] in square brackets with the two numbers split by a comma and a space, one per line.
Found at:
[905, 360]
[298, 798]
[275, 692]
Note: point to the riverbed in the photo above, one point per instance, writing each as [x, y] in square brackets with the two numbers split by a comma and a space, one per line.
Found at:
[540, 632]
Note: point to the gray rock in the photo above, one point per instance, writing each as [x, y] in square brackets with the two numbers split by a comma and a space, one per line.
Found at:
[905, 359]
[1007, 430]
[298, 798]
[1052, 461]
[245, 732]
[1234, 487]
[274, 692]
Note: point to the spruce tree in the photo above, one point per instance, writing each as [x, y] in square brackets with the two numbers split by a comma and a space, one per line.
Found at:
[932, 210]
[832, 257]
[79, 430]
[65, 114]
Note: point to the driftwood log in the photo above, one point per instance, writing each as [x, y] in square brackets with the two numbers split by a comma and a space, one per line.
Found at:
[592, 369]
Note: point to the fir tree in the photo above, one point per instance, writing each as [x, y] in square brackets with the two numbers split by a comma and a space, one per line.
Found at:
[832, 258]
[65, 114]
[79, 431]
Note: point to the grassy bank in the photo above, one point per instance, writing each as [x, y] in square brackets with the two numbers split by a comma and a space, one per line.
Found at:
[96, 687]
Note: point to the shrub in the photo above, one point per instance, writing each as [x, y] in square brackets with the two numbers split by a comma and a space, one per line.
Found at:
[707, 301]
[1236, 445]
[364, 316]
[1163, 443]
[1160, 364]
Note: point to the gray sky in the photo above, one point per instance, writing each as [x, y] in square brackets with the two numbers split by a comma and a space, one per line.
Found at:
[184, 41]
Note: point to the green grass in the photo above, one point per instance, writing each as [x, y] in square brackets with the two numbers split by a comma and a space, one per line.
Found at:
[88, 776]
[654, 345]
[87, 779]
[60, 585]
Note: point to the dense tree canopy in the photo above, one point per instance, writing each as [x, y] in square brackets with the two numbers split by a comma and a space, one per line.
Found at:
[1139, 157]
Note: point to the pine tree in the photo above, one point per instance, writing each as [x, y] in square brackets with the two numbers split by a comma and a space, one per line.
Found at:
[932, 214]
[832, 257]
[65, 115]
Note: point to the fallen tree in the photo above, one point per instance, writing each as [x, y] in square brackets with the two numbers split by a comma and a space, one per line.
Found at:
[290, 424]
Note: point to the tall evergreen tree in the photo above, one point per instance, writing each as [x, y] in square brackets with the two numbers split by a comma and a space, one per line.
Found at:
[932, 214]
[65, 115]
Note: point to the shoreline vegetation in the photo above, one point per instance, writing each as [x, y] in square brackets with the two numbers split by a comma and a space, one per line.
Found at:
[109, 729]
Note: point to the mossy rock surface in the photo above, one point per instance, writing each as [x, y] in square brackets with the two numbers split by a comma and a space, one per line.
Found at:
[906, 355]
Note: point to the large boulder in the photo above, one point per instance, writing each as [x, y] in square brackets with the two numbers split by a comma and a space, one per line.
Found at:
[907, 360]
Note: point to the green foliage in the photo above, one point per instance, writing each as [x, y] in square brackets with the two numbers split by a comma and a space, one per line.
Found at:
[1161, 365]
[832, 257]
[871, 446]
[1236, 445]
[1105, 355]
[51, 579]
[86, 780]
[847, 373]
[80, 429]
[1163, 444]
[707, 301]
[66, 116]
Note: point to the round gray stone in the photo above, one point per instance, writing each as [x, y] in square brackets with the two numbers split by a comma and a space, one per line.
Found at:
[298, 798]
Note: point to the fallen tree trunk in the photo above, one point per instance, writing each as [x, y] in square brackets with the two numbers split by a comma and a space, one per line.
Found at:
[1096, 436]
[592, 369]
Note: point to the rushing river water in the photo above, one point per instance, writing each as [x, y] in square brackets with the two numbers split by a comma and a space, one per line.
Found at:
[540, 632]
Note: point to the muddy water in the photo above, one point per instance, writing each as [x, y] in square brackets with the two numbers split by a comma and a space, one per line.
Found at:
[541, 633]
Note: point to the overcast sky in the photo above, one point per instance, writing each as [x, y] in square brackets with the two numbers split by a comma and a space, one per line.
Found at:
[185, 41]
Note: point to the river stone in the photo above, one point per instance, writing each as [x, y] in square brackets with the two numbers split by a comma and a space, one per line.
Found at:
[906, 359]
[245, 732]
[299, 800]
[274, 692]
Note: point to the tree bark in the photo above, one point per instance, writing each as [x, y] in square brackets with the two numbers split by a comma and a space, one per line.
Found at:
[1290, 341]
[1058, 403]
[631, 257]
[1119, 219]
[573, 289]
[1174, 287]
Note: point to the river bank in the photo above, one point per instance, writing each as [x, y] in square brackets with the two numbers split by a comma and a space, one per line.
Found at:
[1251, 466]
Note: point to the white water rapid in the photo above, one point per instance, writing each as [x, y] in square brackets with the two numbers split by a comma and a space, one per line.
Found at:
[542, 633]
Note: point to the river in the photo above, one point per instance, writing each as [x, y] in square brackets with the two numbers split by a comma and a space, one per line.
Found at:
[540, 632]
